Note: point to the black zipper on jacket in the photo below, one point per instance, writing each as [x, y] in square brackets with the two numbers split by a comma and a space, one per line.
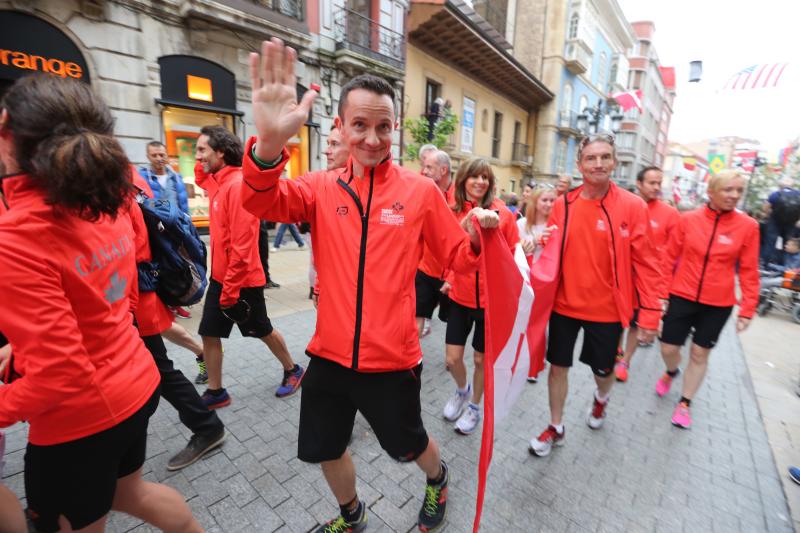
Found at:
[705, 261]
[362, 259]
[613, 243]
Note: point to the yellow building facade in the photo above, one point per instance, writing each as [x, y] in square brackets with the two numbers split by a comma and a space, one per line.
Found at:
[451, 55]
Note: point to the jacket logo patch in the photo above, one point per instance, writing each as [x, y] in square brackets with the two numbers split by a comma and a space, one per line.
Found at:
[216, 205]
[397, 207]
[724, 239]
[601, 226]
[391, 218]
[623, 230]
[342, 210]
[653, 224]
[116, 291]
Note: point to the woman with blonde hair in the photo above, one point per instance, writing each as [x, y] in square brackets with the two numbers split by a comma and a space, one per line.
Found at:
[700, 266]
[533, 231]
[474, 188]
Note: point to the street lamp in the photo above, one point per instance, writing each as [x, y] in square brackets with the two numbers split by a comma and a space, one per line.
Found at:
[590, 119]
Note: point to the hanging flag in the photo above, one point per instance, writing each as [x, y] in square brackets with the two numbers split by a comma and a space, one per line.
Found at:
[689, 163]
[629, 100]
[716, 163]
[757, 77]
[512, 314]
[667, 76]
[745, 159]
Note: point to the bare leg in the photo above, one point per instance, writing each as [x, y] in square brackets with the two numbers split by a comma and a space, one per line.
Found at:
[621, 338]
[341, 477]
[212, 352]
[671, 353]
[420, 325]
[557, 386]
[177, 334]
[605, 384]
[695, 370]
[98, 526]
[277, 346]
[156, 504]
[630, 345]
[477, 378]
[430, 461]
[12, 520]
[454, 358]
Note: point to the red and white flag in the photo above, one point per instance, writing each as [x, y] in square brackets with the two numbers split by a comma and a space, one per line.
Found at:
[629, 100]
[514, 323]
[757, 76]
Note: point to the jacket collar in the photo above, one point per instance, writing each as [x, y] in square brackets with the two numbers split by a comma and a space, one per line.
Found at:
[226, 174]
[381, 169]
[572, 195]
[710, 212]
[18, 188]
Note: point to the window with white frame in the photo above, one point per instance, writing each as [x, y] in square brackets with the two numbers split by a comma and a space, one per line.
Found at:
[561, 159]
[574, 20]
[602, 71]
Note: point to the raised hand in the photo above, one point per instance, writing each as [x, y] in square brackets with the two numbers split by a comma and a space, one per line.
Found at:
[276, 113]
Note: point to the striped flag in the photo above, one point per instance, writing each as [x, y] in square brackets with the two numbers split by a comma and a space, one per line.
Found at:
[762, 76]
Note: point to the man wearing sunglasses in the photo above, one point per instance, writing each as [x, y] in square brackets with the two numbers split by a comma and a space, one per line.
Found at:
[606, 261]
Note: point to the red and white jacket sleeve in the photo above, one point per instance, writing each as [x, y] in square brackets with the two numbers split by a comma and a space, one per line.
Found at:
[448, 242]
[646, 269]
[749, 279]
[243, 237]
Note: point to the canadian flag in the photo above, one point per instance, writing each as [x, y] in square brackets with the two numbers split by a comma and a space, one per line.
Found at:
[629, 100]
[515, 325]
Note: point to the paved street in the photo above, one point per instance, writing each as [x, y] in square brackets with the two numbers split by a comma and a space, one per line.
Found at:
[638, 473]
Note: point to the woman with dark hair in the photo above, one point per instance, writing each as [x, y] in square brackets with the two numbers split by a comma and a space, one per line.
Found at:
[82, 377]
[474, 188]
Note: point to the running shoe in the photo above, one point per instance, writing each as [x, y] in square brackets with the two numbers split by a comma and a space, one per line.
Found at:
[455, 405]
[681, 417]
[794, 474]
[542, 445]
[273, 249]
[340, 525]
[597, 414]
[180, 312]
[271, 285]
[663, 385]
[621, 370]
[533, 379]
[202, 374]
[434, 506]
[198, 446]
[215, 401]
[291, 381]
[468, 420]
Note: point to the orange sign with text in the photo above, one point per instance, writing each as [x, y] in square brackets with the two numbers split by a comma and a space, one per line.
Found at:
[25, 61]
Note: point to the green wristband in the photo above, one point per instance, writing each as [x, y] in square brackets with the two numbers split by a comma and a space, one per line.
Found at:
[264, 165]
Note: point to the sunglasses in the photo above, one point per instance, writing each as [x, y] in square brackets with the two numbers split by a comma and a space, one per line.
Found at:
[604, 137]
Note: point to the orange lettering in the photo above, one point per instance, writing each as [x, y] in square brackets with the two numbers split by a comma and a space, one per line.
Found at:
[4, 56]
[56, 66]
[74, 70]
[35, 66]
[20, 60]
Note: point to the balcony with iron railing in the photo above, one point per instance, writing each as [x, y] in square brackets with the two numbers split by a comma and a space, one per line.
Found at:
[578, 58]
[290, 8]
[567, 122]
[366, 37]
[520, 153]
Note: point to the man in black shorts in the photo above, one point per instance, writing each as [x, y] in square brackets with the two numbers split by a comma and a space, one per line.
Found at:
[235, 293]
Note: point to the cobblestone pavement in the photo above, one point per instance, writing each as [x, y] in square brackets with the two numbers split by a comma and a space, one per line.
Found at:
[638, 473]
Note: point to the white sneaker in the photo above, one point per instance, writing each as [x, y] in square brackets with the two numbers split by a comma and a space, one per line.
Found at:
[273, 249]
[426, 328]
[456, 404]
[469, 420]
[597, 414]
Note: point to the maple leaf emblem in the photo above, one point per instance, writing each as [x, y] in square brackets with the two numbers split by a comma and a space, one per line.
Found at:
[116, 291]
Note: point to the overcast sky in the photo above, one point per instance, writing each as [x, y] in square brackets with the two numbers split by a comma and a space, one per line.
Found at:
[728, 35]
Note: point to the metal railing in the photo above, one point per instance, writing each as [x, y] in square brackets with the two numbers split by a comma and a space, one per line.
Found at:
[358, 33]
[291, 8]
[568, 119]
[520, 152]
[576, 53]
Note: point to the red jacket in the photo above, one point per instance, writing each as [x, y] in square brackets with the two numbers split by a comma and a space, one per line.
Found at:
[235, 262]
[428, 264]
[464, 283]
[367, 248]
[152, 316]
[634, 261]
[66, 290]
[663, 221]
[702, 256]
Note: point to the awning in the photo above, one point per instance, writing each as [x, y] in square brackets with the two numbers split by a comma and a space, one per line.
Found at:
[453, 33]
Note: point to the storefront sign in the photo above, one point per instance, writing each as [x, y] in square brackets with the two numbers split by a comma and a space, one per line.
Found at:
[468, 125]
[29, 44]
[197, 83]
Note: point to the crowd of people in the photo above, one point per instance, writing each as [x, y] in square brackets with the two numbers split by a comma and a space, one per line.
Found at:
[85, 363]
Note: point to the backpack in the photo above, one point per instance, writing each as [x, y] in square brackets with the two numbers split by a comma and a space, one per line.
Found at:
[787, 208]
[177, 270]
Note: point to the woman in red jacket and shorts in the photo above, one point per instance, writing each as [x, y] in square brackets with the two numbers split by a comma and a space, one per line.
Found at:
[700, 264]
[78, 372]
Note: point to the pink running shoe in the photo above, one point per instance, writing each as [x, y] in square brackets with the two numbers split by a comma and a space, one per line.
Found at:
[663, 385]
[681, 417]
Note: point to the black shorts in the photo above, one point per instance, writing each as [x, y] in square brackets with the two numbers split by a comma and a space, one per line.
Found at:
[683, 315]
[389, 401]
[215, 324]
[78, 478]
[429, 295]
[600, 341]
[459, 324]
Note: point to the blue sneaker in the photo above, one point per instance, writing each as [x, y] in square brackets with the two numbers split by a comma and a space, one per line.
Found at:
[291, 381]
[794, 473]
[215, 401]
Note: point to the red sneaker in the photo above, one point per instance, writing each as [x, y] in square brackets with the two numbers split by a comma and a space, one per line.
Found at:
[180, 312]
